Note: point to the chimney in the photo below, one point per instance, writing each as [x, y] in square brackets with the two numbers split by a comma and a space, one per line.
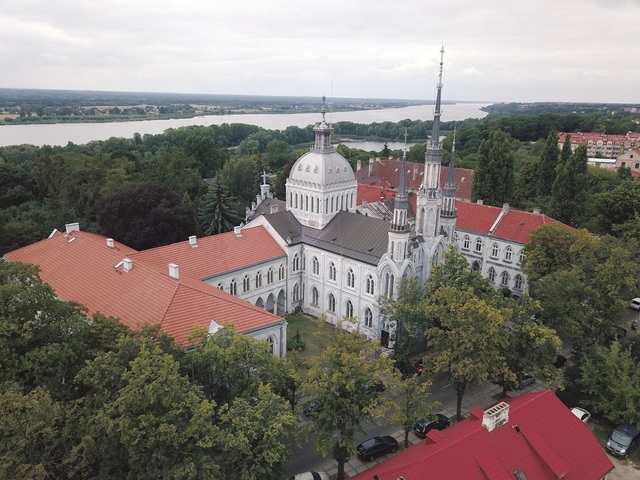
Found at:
[371, 166]
[273, 209]
[536, 210]
[72, 227]
[237, 231]
[193, 241]
[495, 416]
[505, 206]
[358, 164]
[110, 243]
[173, 271]
[127, 264]
[480, 202]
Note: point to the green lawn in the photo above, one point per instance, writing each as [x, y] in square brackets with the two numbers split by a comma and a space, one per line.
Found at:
[308, 327]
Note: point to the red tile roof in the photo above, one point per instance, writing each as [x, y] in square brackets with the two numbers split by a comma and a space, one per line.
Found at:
[80, 267]
[215, 254]
[542, 438]
[386, 173]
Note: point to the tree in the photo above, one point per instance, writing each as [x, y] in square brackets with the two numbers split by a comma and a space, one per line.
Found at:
[145, 215]
[410, 405]
[493, 178]
[618, 206]
[337, 380]
[568, 193]
[547, 167]
[469, 339]
[217, 213]
[239, 176]
[277, 154]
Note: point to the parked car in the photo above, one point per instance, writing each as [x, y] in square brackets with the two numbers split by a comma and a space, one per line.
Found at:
[560, 362]
[422, 427]
[525, 379]
[418, 367]
[581, 413]
[635, 303]
[376, 386]
[376, 446]
[623, 439]
[311, 407]
[311, 476]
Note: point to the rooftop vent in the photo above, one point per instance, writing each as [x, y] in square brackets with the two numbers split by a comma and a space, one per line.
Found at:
[110, 243]
[193, 241]
[273, 209]
[237, 231]
[173, 271]
[127, 264]
[72, 227]
[480, 202]
[495, 416]
[536, 210]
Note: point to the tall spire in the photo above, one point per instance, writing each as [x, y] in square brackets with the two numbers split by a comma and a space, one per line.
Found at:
[433, 152]
[435, 132]
[449, 193]
[401, 201]
[323, 131]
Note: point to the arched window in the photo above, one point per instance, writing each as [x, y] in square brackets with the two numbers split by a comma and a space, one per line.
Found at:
[455, 237]
[295, 265]
[272, 345]
[258, 279]
[370, 285]
[508, 254]
[475, 266]
[494, 250]
[233, 287]
[466, 242]
[220, 287]
[332, 303]
[332, 271]
[478, 245]
[368, 318]
[521, 256]
[245, 284]
[270, 276]
[492, 274]
[504, 279]
[315, 266]
[351, 279]
[517, 282]
[281, 272]
[314, 296]
[389, 284]
[349, 309]
[296, 293]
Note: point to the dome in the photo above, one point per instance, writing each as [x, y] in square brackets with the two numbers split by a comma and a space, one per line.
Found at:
[324, 169]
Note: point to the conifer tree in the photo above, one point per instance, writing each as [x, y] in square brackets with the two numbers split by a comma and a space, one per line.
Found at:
[568, 194]
[547, 166]
[493, 178]
[218, 214]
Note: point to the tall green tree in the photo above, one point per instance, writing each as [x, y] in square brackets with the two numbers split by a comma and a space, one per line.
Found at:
[493, 178]
[410, 404]
[240, 176]
[218, 212]
[569, 190]
[547, 167]
[618, 206]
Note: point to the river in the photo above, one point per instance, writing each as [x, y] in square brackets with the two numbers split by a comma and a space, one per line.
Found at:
[80, 133]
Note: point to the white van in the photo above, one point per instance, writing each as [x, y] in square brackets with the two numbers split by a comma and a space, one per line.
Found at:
[635, 304]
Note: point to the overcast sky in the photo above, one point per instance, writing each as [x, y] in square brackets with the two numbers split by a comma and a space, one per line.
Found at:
[495, 50]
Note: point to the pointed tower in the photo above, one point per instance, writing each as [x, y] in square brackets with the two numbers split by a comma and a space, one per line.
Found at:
[399, 229]
[448, 213]
[429, 195]
[321, 182]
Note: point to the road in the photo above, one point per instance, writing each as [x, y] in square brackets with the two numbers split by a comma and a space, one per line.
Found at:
[304, 457]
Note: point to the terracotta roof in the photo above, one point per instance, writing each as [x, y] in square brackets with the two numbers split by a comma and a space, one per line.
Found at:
[542, 438]
[215, 254]
[80, 267]
[386, 173]
[583, 138]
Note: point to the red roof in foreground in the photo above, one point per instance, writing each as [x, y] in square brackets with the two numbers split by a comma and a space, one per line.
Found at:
[542, 438]
[80, 267]
[215, 254]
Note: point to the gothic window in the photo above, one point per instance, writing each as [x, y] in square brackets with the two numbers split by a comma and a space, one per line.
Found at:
[492, 274]
[258, 279]
[220, 287]
[281, 272]
[478, 245]
[270, 276]
[296, 263]
[271, 344]
[233, 287]
[504, 279]
[314, 296]
[455, 237]
[370, 285]
[332, 271]
[389, 284]
[315, 266]
[466, 242]
[317, 205]
[245, 284]
[508, 254]
[351, 279]
[517, 282]
[296, 293]
[494, 250]
[368, 318]
[349, 309]
[332, 303]
[521, 256]
[475, 266]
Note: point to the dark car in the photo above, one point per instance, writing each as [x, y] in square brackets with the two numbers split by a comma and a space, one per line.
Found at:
[311, 407]
[376, 446]
[376, 386]
[560, 362]
[422, 427]
[624, 438]
[525, 379]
